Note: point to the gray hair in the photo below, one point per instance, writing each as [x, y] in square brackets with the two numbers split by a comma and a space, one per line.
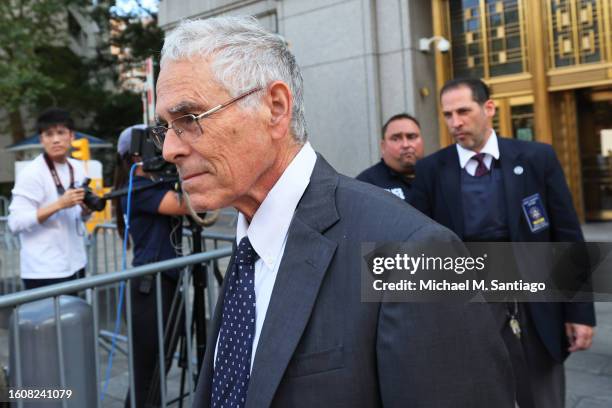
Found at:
[245, 56]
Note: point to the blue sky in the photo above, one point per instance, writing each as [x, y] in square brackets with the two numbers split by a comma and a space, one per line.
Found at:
[128, 6]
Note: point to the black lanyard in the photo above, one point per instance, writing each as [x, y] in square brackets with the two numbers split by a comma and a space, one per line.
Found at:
[58, 184]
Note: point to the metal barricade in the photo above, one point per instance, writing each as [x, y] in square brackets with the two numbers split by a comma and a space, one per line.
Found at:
[104, 256]
[105, 248]
[96, 283]
[9, 259]
[4, 205]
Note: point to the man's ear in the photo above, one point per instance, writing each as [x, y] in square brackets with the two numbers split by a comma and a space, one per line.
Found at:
[280, 102]
[489, 108]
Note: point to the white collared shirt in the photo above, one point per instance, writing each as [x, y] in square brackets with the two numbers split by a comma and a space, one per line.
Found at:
[269, 229]
[55, 248]
[490, 150]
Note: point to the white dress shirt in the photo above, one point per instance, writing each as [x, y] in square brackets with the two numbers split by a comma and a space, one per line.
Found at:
[269, 228]
[55, 248]
[490, 150]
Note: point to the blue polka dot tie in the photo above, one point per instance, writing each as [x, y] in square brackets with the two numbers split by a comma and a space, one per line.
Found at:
[233, 361]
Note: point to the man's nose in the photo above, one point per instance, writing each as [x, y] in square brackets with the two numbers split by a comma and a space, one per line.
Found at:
[456, 121]
[174, 148]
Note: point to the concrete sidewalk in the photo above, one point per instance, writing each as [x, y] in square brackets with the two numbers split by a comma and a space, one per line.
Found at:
[589, 373]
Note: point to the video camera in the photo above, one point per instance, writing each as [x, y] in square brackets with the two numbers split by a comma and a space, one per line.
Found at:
[152, 161]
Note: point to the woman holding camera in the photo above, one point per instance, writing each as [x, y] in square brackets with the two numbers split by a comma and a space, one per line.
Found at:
[155, 232]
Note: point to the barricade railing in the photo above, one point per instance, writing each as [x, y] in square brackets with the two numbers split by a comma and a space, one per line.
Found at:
[97, 282]
[4, 205]
[104, 251]
[104, 248]
[9, 259]
[216, 238]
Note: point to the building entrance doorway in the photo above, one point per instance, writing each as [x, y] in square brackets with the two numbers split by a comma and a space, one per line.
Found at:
[594, 111]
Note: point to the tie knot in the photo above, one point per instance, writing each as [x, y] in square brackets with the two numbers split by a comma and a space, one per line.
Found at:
[481, 169]
[245, 252]
[479, 157]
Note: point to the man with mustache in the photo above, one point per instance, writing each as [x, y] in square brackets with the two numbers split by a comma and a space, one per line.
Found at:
[493, 189]
[401, 147]
[289, 328]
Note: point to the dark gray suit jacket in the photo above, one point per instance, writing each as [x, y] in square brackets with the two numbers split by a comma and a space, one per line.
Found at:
[321, 346]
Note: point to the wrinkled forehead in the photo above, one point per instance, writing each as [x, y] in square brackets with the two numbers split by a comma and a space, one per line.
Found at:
[186, 86]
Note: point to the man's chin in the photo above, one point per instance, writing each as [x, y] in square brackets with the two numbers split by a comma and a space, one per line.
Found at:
[200, 202]
[466, 144]
[57, 156]
[409, 163]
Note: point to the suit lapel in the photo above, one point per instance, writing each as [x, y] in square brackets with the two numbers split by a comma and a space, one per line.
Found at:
[514, 184]
[450, 180]
[303, 266]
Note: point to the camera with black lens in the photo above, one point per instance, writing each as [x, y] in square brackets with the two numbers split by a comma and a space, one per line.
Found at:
[91, 200]
[152, 161]
[159, 170]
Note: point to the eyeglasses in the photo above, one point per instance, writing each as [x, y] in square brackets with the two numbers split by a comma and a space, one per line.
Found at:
[190, 124]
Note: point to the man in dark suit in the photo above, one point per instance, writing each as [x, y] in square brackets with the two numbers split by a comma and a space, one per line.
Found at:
[290, 329]
[401, 146]
[482, 188]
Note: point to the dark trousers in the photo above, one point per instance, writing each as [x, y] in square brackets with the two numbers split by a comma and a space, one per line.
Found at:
[539, 379]
[145, 342]
[39, 283]
[546, 375]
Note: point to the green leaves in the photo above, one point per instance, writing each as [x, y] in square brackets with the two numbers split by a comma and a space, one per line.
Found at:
[25, 27]
[38, 68]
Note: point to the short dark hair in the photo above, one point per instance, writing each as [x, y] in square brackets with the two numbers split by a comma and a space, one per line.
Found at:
[53, 117]
[480, 91]
[397, 117]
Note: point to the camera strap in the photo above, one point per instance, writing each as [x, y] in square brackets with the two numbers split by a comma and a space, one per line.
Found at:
[58, 184]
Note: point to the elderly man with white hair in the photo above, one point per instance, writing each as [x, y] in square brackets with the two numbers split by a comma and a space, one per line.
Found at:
[290, 328]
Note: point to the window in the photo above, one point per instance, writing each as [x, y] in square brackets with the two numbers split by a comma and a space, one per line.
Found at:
[488, 37]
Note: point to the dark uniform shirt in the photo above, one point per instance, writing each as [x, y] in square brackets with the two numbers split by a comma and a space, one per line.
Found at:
[154, 235]
[384, 176]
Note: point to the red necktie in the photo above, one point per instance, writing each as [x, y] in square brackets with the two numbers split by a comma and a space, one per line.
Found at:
[482, 169]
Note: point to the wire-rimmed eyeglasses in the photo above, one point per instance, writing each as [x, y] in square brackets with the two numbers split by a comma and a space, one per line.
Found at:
[190, 123]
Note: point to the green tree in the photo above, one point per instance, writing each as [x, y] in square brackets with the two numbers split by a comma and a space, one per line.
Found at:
[137, 37]
[141, 37]
[27, 26]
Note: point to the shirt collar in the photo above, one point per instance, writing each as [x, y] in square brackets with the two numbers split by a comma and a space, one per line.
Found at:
[491, 147]
[270, 223]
